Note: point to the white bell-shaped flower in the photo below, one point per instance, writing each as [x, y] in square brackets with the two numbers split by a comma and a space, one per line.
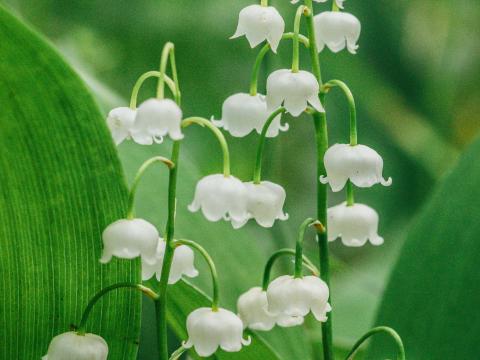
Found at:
[264, 203]
[73, 346]
[207, 330]
[182, 264]
[355, 224]
[156, 118]
[296, 297]
[242, 113]
[253, 310]
[359, 163]
[120, 121]
[337, 30]
[127, 239]
[221, 197]
[294, 89]
[259, 23]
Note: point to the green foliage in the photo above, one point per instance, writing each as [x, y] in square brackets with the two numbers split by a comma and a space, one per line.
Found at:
[433, 295]
[61, 184]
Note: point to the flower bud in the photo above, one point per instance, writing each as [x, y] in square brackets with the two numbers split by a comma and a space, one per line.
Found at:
[337, 30]
[208, 329]
[242, 113]
[182, 264]
[71, 345]
[294, 89]
[120, 121]
[221, 196]
[156, 118]
[252, 309]
[127, 239]
[355, 224]
[360, 164]
[264, 203]
[296, 297]
[259, 23]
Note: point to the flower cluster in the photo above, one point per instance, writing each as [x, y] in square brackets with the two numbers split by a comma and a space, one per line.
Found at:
[286, 300]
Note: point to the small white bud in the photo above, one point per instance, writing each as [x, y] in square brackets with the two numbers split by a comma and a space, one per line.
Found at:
[337, 30]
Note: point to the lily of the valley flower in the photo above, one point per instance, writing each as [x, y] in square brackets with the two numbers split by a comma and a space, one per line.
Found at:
[296, 297]
[221, 197]
[359, 163]
[355, 224]
[127, 239]
[337, 30]
[264, 203]
[71, 345]
[209, 329]
[120, 121]
[182, 264]
[156, 118]
[242, 113]
[294, 89]
[252, 309]
[259, 23]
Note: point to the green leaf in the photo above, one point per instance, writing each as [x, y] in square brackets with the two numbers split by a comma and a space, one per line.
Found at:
[61, 184]
[434, 292]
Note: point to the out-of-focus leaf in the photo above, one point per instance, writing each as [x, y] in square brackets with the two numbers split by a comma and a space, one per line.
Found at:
[60, 184]
[433, 295]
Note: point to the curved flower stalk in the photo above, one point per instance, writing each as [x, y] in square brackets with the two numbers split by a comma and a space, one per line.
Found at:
[360, 164]
[242, 113]
[380, 329]
[71, 345]
[259, 23]
[182, 264]
[355, 224]
[337, 30]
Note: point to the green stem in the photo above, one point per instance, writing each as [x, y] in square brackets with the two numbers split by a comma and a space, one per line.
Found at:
[299, 247]
[141, 80]
[147, 291]
[321, 135]
[221, 139]
[136, 181]
[168, 52]
[261, 55]
[278, 254]
[257, 172]
[335, 6]
[161, 303]
[177, 353]
[296, 42]
[264, 2]
[351, 105]
[388, 331]
[211, 265]
[350, 194]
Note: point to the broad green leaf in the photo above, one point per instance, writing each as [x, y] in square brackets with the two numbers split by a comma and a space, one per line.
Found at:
[434, 292]
[61, 184]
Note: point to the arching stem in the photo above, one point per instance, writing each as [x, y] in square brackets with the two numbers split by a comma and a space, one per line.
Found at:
[168, 52]
[257, 172]
[385, 329]
[299, 246]
[296, 42]
[150, 74]
[211, 265]
[147, 291]
[138, 176]
[278, 254]
[221, 139]
[261, 55]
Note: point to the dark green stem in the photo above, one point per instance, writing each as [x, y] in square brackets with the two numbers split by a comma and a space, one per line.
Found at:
[388, 331]
[136, 181]
[299, 247]
[257, 172]
[278, 254]
[150, 293]
[350, 194]
[211, 265]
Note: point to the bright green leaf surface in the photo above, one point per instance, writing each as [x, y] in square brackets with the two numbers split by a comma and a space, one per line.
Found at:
[433, 296]
[60, 184]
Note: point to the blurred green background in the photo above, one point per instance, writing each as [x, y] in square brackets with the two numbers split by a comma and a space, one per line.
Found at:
[415, 80]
